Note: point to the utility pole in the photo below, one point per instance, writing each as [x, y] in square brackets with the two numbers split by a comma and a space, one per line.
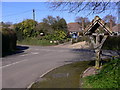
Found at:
[34, 14]
[111, 23]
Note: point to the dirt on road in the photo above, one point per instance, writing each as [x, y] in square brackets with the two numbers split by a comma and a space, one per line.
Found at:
[79, 45]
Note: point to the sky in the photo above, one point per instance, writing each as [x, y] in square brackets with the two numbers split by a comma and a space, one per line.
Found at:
[16, 12]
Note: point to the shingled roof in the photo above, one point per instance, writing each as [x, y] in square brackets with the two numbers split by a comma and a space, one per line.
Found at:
[116, 28]
[74, 27]
[96, 22]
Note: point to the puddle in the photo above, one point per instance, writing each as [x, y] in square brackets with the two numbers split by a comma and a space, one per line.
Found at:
[58, 75]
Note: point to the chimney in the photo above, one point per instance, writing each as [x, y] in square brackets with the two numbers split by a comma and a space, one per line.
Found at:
[111, 23]
[83, 25]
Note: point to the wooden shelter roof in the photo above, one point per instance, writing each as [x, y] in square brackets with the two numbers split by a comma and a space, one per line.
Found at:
[96, 22]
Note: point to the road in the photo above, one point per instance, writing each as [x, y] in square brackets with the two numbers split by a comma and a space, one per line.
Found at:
[20, 70]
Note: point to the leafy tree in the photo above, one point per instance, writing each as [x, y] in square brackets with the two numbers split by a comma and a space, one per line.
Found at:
[60, 25]
[56, 23]
[26, 28]
[49, 20]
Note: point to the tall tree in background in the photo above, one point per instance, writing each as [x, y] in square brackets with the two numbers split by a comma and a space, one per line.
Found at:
[56, 23]
[60, 25]
[43, 28]
[6, 24]
[49, 20]
[107, 19]
[82, 19]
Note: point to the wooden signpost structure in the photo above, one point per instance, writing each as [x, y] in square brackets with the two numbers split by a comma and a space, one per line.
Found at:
[98, 33]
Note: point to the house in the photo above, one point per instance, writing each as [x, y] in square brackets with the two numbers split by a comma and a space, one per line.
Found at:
[74, 29]
[116, 28]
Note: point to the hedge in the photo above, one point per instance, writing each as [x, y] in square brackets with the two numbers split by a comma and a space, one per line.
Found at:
[9, 39]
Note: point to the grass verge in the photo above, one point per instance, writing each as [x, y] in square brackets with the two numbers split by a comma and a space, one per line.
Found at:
[67, 76]
[107, 78]
[35, 41]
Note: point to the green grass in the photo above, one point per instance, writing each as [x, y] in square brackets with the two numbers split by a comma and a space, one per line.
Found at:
[67, 76]
[35, 41]
[107, 78]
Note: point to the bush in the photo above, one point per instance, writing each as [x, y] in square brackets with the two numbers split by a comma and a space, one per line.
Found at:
[8, 40]
[58, 35]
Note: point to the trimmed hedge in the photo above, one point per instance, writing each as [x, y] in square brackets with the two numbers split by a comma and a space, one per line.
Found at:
[112, 43]
[9, 39]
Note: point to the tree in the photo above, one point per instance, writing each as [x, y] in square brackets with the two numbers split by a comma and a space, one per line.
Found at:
[107, 19]
[56, 23]
[25, 29]
[49, 20]
[43, 28]
[6, 24]
[60, 25]
[93, 7]
[82, 19]
[79, 19]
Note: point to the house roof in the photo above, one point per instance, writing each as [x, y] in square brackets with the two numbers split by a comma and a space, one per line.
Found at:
[116, 28]
[74, 27]
[96, 22]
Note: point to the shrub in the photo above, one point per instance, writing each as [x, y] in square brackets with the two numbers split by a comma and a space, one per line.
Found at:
[58, 35]
[112, 43]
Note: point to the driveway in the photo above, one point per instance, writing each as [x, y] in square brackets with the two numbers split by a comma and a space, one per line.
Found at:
[21, 69]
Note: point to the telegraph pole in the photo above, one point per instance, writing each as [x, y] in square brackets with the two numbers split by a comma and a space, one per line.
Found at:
[34, 14]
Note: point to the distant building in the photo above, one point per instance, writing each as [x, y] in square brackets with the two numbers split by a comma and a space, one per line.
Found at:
[116, 29]
[74, 29]
[11, 27]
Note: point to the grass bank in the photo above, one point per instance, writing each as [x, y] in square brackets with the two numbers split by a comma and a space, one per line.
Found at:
[67, 76]
[35, 41]
[107, 78]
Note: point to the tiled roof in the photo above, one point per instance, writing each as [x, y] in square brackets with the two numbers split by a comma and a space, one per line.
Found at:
[116, 28]
[74, 27]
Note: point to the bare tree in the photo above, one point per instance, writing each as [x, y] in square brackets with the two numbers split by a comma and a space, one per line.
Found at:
[83, 21]
[92, 7]
[80, 19]
[107, 19]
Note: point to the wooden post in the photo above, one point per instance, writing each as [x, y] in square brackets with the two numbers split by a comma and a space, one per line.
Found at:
[97, 50]
[111, 22]
[97, 62]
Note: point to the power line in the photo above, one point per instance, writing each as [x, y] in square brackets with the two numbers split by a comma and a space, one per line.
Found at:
[17, 13]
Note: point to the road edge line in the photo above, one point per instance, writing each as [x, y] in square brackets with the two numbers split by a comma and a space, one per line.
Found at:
[29, 86]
